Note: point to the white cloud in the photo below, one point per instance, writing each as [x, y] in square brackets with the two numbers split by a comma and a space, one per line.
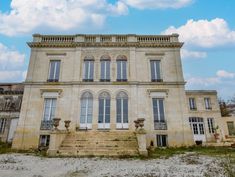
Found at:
[192, 54]
[220, 77]
[156, 4]
[204, 33]
[225, 74]
[10, 76]
[11, 63]
[10, 58]
[27, 15]
[203, 81]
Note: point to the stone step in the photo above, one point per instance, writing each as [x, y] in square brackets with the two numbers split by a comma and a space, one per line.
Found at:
[119, 144]
[114, 143]
[97, 153]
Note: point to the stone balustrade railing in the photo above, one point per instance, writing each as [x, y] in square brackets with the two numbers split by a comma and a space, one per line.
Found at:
[129, 38]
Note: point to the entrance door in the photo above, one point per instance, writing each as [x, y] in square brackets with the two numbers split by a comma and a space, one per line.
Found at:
[104, 111]
[122, 111]
[86, 111]
[12, 129]
[197, 126]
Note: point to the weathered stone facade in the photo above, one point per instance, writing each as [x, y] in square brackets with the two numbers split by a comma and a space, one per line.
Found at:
[10, 104]
[68, 87]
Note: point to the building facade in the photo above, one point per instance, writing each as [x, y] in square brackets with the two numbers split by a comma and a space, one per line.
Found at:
[105, 82]
[10, 104]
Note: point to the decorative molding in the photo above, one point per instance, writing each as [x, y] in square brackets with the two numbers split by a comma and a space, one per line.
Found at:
[158, 93]
[154, 54]
[56, 54]
[51, 93]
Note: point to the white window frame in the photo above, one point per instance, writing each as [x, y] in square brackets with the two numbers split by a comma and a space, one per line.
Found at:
[90, 77]
[55, 69]
[211, 124]
[192, 103]
[121, 70]
[207, 101]
[154, 61]
[2, 125]
[106, 77]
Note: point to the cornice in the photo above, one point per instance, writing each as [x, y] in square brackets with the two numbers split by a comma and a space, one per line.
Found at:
[104, 83]
[104, 44]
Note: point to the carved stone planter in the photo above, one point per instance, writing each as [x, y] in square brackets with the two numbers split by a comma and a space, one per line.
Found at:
[136, 124]
[141, 122]
[67, 124]
[56, 123]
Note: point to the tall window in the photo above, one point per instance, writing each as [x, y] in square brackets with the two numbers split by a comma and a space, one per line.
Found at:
[211, 127]
[192, 104]
[105, 68]
[207, 103]
[86, 108]
[231, 128]
[49, 113]
[155, 71]
[158, 110]
[161, 140]
[122, 108]
[54, 72]
[121, 68]
[88, 73]
[2, 125]
[104, 108]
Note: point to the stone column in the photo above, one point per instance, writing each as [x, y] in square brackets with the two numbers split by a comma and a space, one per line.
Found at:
[141, 138]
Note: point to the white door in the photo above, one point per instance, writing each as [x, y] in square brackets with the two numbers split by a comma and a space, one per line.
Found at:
[13, 126]
[197, 126]
[122, 110]
[86, 111]
[104, 112]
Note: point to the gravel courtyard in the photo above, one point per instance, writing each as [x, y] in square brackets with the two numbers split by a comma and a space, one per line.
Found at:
[189, 164]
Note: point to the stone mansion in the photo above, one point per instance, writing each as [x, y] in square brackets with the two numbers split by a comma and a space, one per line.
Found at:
[102, 84]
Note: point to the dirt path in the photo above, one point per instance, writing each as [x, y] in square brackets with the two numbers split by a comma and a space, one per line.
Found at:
[12, 165]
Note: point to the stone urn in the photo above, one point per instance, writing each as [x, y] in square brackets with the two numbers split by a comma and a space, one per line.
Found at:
[136, 124]
[56, 123]
[67, 124]
[141, 122]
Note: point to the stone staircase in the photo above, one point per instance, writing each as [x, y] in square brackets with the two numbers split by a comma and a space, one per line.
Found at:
[99, 143]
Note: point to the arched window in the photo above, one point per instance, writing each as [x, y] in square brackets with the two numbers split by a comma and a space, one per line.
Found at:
[122, 110]
[104, 111]
[121, 68]
[105, 68]
[86, 110]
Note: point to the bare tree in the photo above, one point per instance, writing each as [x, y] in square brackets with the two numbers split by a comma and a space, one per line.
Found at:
[225, 112]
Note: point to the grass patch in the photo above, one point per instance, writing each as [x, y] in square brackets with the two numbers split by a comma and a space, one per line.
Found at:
[5, 148]
[209, 151]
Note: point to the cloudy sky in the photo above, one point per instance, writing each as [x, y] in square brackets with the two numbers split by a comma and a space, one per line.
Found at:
[206, 26]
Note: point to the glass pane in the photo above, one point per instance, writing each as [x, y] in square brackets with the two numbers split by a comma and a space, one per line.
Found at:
[101, 110]
[124, 70]
[102, 71]
[85, 74]
[157, 64]
[125, 110]
[118, 70]
[161, 109]
[57, 73]
[118, 109]
[91, 69]
[52, 70]
[108, 70]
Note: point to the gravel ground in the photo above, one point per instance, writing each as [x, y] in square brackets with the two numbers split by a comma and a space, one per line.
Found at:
[186, 165]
